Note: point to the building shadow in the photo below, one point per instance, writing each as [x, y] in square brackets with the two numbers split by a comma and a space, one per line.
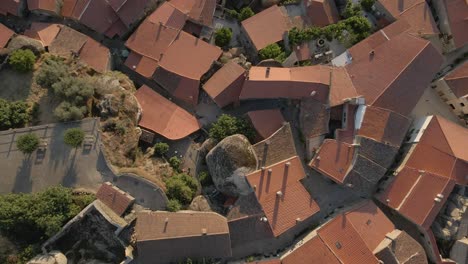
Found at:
[23, 181]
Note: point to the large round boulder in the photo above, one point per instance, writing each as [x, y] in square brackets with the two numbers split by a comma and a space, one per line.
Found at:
[228, 164]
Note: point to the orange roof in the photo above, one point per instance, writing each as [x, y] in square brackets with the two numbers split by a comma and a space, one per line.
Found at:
[96, 55]
[311, 252]
[384, 126]
[457, 80]
[114, 198]
[225, 86]
[200, 11]
[322, 12]
[44, 32]
[341, 86]
[295, 83]
[164, 117]
[382, 74]
[266, 122]
[10, 7]
[141, 64]
[282, 196]
[457, 12]
[5, 35]
[334, 159]
[420, 19]
[266, 27]
[47, 5]
[395, 8]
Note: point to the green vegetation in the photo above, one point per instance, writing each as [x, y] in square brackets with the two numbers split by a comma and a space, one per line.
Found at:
[181, 187]
[27, 143]
[22, 60]
[13, 114]
[74, 137]
[351, 10]
[223, 37]
[75, 90]
[367, 5]
[244, 13]
[272, 51]
[173, 205]
[52, 70]
[161, 148]
[175, 163]
[205, 178]
[228, 125]
[28, 220]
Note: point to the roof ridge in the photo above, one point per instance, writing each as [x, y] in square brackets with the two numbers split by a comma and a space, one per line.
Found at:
[445, 137]
[411, 7]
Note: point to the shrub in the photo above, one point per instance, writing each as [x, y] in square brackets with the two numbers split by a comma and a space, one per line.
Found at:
[233, 14]
[205, 178]
[161, 148]
[22, 60]
[271, 51]
[173, 205]
[175, 163]
[66, 111]
[227, 125]
[223, 36]
[367, 5]
[27, 143]
[245, 13]
[74, 90]
[351, 10]
[74, 137]
[51, 71]
[181, 187]
[13, 114]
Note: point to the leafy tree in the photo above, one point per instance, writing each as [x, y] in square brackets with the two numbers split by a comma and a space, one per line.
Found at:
[367, 5]
[74, 90]
[74, 137]
[51, 71]
[67, 111]
[351, 10]
[233, 14]
[359, 27]
[271, 51]
[173, 205]
[181, 187]
[223, 36]
[13, 114]
[175, 163]
[227, 125]
[27, 143]
[161, 148]
[245, 13]
[22, 60]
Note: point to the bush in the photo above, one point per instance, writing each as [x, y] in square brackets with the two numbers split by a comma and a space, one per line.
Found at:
[181, 187]
[272, 51]
[27, 143]
[51, 71]
[351, 10]
[233, 14]
[74, 90]
[22, 60]
[161, 148]
[227, 125]
[367, 5]
[205, 178]
[223, 36]
[13, 114]
[74, 137]
[245, 13]
[173, 205]
[66, 111]
[175, 163]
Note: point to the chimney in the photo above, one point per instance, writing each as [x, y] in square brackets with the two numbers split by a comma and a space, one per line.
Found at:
[298, 220]
[203, 231]
[440, 196]
[372, 53]
[287, 164]
[267, 72]
[279, 193]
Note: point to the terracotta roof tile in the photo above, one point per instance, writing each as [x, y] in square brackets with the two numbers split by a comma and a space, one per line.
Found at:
[283, 198]
[10, 7]
[99, 16]
[341, 86]
[420, 19]
[266, 122]
[117, 28]
[394, 194]
[131, 10]
[314, 118]
[457, 80]
[454, 134]
[96, 55]
[322, 12]
[457, 12]
[200, 11]
[74, 8]
[333, 159]
[44, 32]
[67, 41]
[311, 252]
[225, 86]
[114, 198]
[5, 35]
[266, 27]
[395, 8]
[294, 83]
[164, 117]
[141, 64]
[45, 5]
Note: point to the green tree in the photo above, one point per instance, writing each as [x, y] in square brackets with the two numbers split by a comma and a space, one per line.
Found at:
[74, 137]
[359, 27]
[173, 205]
[351, 10]
[245, 13]
[233, 14]
[67, 111]
[73, 89]
[271, 51]
[161, 148]
[27, 143]
[367, 5]
[181, 187]
[51, 71]
[22, 60]
[228, 125]
[175, 163]
[223, 36]
[13, 114]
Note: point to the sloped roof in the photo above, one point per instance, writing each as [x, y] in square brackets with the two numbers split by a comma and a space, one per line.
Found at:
[457, 80]
[457, 12]
[420, 19]
[266, 122]
[67, 41]
[225, 86]
[312, 251]
[143, 65]
[44, 32]
[96, 55]
[295, 83]
[45, 5]
[117, 200]
[341, 86]
[163, 116]
[283, 197]
[276, 148]
[266, 27]
[322, 12]
[383, 74]
[200, 11]
[5, 35]
[314, 118]
[10, 7]
[395, 8]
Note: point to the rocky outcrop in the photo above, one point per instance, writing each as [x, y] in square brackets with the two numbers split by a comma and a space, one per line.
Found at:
[20, 42]
[54, 257]
[451, 223]
[229, 162]
[201, 204]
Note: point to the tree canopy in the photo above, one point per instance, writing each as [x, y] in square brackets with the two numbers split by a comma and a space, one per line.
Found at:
[367, 4]
[271, 51]
[22, 60]
[13, 114]
[27, 143]
[181, 187]
[74, 137]
[228, 125]
[223, 37]
[161, 148]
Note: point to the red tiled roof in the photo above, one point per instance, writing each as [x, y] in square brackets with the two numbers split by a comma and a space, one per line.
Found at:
[225, 86]
[74, 8]
[266, 122]
[384, 126]
[266, 27]
[383, 76]
[99, 16]
[96, 55]
[130, 10]
[395, 8]
[420, 19]
[46, 5]
[334, 159]
[457, 12]
[164, 117]
[10, 7]
[141, 64]
[321, 12]
[457, 80]
[311, 252]
[295, 83]
[5, 35]
[44, 32]
[341, 86]
[200, 11]
[114, 198]
[282, 196]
